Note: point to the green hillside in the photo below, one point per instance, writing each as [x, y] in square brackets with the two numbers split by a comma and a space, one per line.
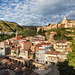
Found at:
[9, 26]
[64, 34]
[28, 31]
[13, 27]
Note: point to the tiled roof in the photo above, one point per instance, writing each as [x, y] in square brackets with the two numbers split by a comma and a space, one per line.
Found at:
[25, 41]
[38, 45]
[23, 38]
[52, 52]
[61, 59]
[62, 53]
[41, 40]
[3, 41]
[61, 41]
[53, 56]
[68, 49]
[41, 49]
[46, 43]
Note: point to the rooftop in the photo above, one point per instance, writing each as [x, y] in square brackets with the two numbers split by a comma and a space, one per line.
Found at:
[61, 41]
[38, 45]
[52, 52]
[46, 43]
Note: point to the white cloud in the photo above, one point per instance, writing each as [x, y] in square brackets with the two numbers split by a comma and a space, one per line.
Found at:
[37, 12]
[16, 0]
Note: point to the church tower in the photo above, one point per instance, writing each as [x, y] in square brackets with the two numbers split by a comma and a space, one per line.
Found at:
[16, 35]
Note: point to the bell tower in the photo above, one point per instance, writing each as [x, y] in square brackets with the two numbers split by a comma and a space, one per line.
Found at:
[16, 35]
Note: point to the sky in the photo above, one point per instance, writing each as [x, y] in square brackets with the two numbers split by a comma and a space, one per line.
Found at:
[36, 12]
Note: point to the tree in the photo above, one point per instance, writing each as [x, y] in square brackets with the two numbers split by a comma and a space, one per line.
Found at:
[41, 32]
[65, 69]
[71, 56]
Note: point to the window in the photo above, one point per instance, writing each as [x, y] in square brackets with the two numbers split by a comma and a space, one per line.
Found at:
[52, 59]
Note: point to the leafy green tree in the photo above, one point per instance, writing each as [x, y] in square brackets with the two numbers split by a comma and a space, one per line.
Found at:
[6, 36]
[42, 32]
[65, 69]
[71, 56]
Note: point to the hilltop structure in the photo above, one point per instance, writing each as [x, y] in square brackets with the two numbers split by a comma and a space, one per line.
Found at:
[51, 26]
[66, 23]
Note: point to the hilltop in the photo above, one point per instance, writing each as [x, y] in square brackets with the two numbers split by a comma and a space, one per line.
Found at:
[13, 27]
[65, 23]
[65, 30]
[9, 26]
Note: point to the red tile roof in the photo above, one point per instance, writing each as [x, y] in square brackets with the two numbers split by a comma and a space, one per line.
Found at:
[68, 49]
[52, 52]
[41, 49]
[53, 56]
[38, 45]
[3, 41]
[25, 41]
[46, 43]
[61, 41]
[23, 38]
[41, 40]
[62, 53]
[61, 60]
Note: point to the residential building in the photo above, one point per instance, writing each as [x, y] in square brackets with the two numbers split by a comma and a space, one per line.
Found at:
[14, 51]
[39, 37]
[41, 50]
[51, 56]
[24, 54]
[25, 45]
[5, 51]
[33, 48]
[62, 56]
[61, 46]
[41, 55]
[54, 57]
[25, 49]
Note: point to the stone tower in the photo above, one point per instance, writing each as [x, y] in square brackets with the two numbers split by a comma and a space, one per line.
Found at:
[16, 35]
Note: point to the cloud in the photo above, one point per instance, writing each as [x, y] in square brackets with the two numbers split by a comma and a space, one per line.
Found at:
[71, 15]
[36, 12]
